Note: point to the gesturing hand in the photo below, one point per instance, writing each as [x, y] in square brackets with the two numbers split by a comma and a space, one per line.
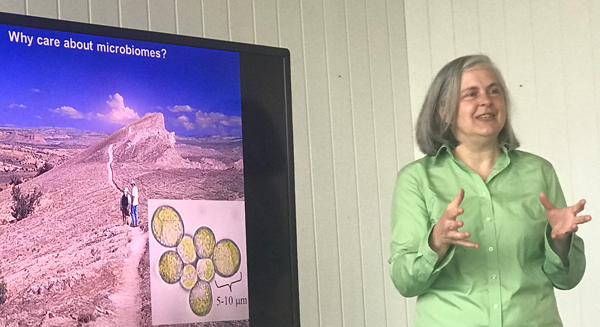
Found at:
[445, 232]
[564, 221]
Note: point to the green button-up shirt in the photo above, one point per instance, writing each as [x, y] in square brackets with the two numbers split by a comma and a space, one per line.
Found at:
[509, 281]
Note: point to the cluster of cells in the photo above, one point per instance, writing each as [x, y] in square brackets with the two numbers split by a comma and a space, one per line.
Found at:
[194, 259]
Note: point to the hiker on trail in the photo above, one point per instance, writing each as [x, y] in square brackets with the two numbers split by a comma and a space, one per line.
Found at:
[134, 204]
[125, 204]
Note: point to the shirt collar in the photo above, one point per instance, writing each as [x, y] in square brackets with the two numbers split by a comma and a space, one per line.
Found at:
[442, 151]
[502, 162]
[446, 149]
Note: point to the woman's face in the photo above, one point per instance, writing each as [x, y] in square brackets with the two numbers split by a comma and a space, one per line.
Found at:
[481, 108]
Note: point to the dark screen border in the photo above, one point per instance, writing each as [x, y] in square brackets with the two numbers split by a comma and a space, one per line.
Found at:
[268, 162]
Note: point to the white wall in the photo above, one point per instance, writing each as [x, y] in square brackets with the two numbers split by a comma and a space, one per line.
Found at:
[352, 128]
[352, 62]
[549, 53]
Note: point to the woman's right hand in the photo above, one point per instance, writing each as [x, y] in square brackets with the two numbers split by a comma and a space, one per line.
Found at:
[445, 232]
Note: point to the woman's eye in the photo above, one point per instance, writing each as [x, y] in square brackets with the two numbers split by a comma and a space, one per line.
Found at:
[494, 91]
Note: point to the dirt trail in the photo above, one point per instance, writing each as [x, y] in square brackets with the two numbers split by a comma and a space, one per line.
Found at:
[126, 300]
[108, 166]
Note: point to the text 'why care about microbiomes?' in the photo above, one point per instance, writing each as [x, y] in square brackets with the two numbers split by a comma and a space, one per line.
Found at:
[70, 43]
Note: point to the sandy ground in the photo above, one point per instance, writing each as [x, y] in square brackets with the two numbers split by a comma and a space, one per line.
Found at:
[127, 300]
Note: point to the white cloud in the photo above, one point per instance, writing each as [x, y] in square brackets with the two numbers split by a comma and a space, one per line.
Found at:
[183, 120]
[16, 105]
[185, 108]
[232, 121]
[35, 90]
[119, 114]
[219, 123]
[216, 119]
[68, 112]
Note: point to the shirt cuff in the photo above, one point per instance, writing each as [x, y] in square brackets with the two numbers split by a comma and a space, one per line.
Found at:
[431, 257]
[551, 256]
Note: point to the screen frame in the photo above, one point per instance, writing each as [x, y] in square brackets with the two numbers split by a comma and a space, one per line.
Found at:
[270, 220]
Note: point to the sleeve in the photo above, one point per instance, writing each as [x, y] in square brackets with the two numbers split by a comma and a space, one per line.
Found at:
[412, 262]
[562, 277]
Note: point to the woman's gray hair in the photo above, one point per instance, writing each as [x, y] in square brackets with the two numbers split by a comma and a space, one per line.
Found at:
[439, 110]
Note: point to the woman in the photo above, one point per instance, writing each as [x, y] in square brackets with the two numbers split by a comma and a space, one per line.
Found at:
[124, 202]
[477, 233]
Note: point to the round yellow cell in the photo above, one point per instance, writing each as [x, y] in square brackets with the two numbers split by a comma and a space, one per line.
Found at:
[204, 242]
[205, 269]
[201, 298]
[226, 258]
[189, 277]
[167, 226]
[170, 267]
[186, 250]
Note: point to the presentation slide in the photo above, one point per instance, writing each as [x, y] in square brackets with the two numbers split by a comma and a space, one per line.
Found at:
[121, 182]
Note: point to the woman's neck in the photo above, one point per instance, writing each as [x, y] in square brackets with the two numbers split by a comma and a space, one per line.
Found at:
[479, 158]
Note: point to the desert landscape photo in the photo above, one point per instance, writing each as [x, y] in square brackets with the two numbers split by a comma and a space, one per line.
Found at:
[72, 260]
[78, 130]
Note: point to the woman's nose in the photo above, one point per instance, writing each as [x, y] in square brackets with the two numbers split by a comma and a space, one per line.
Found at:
[484, 99]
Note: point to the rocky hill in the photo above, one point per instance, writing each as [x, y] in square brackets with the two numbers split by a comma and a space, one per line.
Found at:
[9, 136]
[145, 141]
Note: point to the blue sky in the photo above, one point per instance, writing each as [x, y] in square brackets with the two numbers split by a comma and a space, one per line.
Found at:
[197, 90]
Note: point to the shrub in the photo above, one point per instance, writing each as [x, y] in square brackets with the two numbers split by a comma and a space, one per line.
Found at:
[14, 180]
[86, 317]
[24, 203]
[44, 168]
[3, 292]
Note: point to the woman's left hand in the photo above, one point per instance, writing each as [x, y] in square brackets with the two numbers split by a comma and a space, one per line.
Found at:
[564, 221]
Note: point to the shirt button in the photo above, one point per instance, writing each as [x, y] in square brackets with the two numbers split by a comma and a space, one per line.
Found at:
[490, 249]
[484, 193]
[494, 276]
[495, 306]
[489, 219]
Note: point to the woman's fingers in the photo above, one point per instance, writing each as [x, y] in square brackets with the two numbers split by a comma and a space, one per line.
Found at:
[462, 239]
[579, 206]
[451, 224]
[453, 236]
[457, 200]
[561, 232]
[452, 214]
[459, 236]
[446, 231]
[458, 224]
[468, 244]
[566, 220]
[582, 219]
